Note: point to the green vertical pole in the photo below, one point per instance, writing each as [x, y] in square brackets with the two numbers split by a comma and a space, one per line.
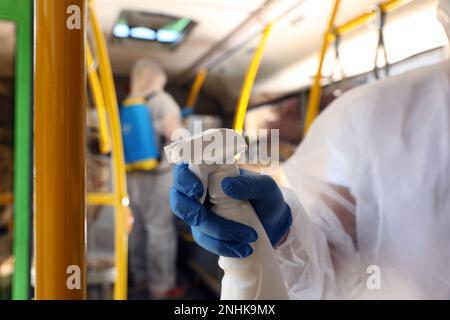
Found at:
[21, 12]
[23, 155]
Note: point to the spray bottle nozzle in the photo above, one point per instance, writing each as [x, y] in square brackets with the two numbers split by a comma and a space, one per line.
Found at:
[206, 150]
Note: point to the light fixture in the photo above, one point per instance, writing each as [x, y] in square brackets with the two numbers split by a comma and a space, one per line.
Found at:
[168, 36]
[165, 31]
[121, 30]
[143, 33]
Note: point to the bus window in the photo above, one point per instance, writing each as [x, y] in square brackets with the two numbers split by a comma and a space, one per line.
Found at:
[7, 76]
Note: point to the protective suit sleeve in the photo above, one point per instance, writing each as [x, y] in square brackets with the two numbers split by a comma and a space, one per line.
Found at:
[319, 259]
[304, 256]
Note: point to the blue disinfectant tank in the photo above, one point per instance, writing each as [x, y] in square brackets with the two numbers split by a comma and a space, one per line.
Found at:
[140, 141]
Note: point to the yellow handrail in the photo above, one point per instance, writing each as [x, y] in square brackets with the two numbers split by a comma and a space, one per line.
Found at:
[120, 190]
[93, 198]
[99, 102]
[316, 89]
[101, 199]
[196, 86]
[241, 108]
[6, 198]
[362, 19]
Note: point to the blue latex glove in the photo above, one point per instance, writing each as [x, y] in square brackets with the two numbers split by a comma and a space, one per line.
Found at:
[225, 237]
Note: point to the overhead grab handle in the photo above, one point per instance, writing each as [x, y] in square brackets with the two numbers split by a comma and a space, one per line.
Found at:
[378, 24]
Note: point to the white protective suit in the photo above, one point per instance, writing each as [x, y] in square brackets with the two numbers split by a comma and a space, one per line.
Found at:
[153, 237]
[373, 180]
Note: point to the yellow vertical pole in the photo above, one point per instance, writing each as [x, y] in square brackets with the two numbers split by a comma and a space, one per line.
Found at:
[121, 203]
[60, 93]
[316, 89]
[241, 108]
[196, 86]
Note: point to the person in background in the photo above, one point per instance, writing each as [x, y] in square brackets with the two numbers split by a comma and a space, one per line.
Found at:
[98, 180]
[6, 210]
[367, 215]
[153, 242]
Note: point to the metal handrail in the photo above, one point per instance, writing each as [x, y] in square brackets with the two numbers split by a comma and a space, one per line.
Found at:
[196, 86]
[99, 102]
[329, 36]
[249, 80]
[119, 198]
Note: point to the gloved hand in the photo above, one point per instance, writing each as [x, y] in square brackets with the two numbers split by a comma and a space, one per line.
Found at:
[219, 235]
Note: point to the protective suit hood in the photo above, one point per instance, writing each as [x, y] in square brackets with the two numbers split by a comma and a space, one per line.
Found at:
[147, 77]
[443, 14]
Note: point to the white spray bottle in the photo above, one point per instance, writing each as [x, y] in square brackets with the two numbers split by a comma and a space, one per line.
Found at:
[211, 156]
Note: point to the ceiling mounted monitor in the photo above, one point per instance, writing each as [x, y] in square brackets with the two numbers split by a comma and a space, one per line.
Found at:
[163, 30]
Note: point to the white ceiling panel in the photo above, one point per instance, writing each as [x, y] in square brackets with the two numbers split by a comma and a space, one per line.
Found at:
[215, 20]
